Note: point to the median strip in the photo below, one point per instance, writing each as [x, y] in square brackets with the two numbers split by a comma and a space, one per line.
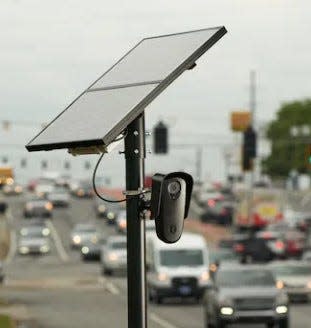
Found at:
[57, 241]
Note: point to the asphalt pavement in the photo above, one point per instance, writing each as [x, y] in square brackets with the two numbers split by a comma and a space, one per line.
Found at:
[58, 290]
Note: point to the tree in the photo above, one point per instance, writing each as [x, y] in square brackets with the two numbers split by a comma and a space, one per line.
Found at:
[287, 151]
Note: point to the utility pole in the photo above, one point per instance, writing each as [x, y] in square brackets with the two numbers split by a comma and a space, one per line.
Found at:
[252, 107]
[198, 165]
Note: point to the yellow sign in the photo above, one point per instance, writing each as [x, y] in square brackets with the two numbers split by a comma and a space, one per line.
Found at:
[240, 121]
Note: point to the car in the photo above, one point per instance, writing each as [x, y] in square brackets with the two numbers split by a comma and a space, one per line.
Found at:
[306, 256]
[295, 242]
[261, 247]
[13, 189]
[38, 207]
[1, 273]
[241, 294]
[219, 212]
[42, 190]
[83, 189]
[219, 256]
[34, 230]
[59, 197]
[294, 277]
[33, 243]
[121, 222]
[83, 233]
[91, 251]
[63, 181]
[177, 270]
[105, 211]
[114, 255]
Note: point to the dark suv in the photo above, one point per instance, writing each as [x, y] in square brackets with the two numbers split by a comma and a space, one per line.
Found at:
[245, 294]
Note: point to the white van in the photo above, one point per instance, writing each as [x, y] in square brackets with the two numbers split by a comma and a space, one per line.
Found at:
[179, 269]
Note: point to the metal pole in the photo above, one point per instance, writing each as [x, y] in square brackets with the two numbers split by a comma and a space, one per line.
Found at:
[135, 154]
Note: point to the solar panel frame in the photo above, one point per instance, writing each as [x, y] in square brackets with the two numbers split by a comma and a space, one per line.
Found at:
[139, 108]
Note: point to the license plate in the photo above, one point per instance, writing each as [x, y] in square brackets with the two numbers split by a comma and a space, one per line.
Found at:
[185, 290]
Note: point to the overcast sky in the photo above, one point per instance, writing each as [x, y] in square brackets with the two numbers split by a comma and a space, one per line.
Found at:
[52, 50]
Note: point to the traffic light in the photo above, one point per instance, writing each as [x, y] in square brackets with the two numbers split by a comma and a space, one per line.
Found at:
[160, 141]
[249, 148]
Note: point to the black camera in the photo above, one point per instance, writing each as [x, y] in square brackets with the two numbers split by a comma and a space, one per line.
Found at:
[170, 201]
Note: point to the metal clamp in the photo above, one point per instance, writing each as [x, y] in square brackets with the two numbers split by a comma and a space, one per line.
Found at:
[138, 192]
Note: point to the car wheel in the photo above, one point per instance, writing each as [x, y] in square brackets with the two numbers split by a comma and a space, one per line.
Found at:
[284, 323]
[107, 272]
[207, 321]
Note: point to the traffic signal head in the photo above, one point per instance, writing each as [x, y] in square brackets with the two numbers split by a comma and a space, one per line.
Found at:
[170, 201]
[160, 141]
[249, 148]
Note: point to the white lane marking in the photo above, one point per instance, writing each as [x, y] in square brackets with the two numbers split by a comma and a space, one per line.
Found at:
[161, 322]
[13, 247]
[109, 286]
[57, 241]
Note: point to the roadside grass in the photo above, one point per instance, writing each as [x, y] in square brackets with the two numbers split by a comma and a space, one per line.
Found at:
[6, 322]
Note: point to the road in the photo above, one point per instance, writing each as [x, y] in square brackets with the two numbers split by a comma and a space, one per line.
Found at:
[60, 291]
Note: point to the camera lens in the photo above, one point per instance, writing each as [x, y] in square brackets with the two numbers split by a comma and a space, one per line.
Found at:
[174, 188]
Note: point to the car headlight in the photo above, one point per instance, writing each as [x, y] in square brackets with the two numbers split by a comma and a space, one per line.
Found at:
[309, 284]
[102, 208]
[162, 276]
[18, 189]
[45, 231]
[85, 250]
[204, 276]
[279, 284]
[110, 216]
[76, 239]
[23, 232]
[48, 206]
[29, 207]
[112, 257]
[122, 224]
[24, 250]
[44, 248]
[80, 192]
[281, 309]
[226, 310]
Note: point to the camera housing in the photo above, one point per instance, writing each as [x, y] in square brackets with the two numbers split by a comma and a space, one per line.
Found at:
[170, 201]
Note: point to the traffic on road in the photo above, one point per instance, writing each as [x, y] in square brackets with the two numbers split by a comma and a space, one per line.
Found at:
[72, 260]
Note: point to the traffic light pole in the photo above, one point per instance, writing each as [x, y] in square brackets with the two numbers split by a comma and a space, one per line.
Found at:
[135, 154]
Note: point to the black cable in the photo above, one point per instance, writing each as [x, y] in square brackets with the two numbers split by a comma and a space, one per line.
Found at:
[94, 176]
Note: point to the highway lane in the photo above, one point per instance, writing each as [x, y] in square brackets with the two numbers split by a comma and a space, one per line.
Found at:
[59, 292]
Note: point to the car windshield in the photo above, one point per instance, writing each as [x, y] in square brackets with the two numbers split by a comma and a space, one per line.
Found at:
[181, 257]
[244, 278]
[85, 229]
[31, 232]
[292, 270]
[118, 245]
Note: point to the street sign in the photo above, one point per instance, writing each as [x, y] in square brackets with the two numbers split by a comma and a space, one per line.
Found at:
[240, 121]
[120, 95]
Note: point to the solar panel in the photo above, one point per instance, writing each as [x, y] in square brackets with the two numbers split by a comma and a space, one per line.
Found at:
[113, 101]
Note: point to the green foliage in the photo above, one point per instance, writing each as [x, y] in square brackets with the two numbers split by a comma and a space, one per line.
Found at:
[6, 322]
[288, 152]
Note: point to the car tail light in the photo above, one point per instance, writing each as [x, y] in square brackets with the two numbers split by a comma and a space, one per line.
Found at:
[266, 235]
[279, 245]
[239, 248]
[211, 203]
[292, 246]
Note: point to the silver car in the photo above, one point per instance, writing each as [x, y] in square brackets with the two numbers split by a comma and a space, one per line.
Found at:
[114, 255]
[84, 233]
[59, 197]
[245, 294]
[33, 245]
[294, 277]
